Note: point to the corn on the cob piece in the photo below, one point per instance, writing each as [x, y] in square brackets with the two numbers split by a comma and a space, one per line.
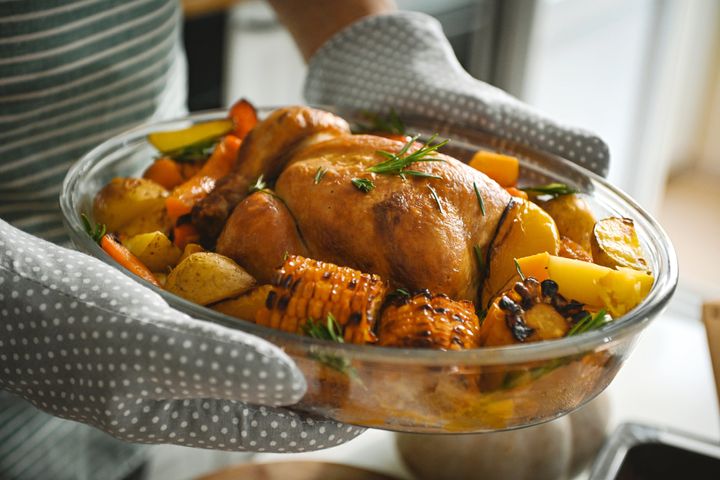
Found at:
[306, 288]
[429, 321]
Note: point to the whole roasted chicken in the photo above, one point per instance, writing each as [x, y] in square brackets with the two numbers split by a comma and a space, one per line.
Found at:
[417, 230]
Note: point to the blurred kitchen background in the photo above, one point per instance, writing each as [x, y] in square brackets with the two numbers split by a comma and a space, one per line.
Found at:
[643, 74]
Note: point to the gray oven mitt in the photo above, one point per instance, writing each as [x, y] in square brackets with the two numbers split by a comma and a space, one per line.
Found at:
[83, 341]
[403, 61]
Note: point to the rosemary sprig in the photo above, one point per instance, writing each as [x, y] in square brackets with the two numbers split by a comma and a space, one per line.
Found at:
[321, 171]
[399, 293]
[397, 163]
[258, 185]
[519, 270]
[480, 258]
[96, 231]
[331, 330]
[553, 190]
[437, 199]
[479, 199]
[389, 123]
[363, 184]
[590, 322]
[194, 152]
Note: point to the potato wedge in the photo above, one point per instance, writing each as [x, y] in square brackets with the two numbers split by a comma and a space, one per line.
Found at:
[189, 249]
[246, 306]
[154, 250]
[207, 278]
[573, 218]
[525, 230]
[130, 206]
[615, 244]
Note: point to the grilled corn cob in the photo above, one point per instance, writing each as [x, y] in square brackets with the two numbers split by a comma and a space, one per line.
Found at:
[429, 321]
[309, 289]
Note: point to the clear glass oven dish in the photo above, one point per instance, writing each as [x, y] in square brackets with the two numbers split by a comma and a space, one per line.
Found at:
[416, 390]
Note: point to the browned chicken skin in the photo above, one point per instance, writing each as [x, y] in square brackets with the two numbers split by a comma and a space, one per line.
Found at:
[397, 230]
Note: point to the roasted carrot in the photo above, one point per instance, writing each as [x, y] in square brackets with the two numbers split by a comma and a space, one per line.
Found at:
[184, 234]
[220, 163]
[244, 117]
[117, 251]
[166, 172]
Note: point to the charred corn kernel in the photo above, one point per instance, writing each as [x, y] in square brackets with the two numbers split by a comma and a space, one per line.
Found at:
[306, 288]
[429, 321]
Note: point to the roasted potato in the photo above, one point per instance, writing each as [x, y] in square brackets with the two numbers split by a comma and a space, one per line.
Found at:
[189, 249]
[570, 249]
[155, 250]
[525, 230]
[573, 218]
[615, 244]
[207, 278]
[246, 306]
[129, 206]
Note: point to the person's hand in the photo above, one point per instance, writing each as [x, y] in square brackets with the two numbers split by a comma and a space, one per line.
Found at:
[403, 62]
[83, 341]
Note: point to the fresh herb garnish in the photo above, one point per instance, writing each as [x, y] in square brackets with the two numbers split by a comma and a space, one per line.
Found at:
[258, 186]
[437, 199]
[363, 184]
[194, 152]
[389, 123]
[479, 199]
[480, 258]
[553, 190]
[331, 330]
[397, 163]
[399, 293]
[96, 231]
[590, 322]
[519, 270]
[321, 171]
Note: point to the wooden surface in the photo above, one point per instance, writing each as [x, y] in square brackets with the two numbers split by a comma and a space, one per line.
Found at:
[711, 318]
[295, 471]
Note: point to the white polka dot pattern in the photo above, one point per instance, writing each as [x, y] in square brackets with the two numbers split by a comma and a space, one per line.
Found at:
[83, 341]
[403, 61]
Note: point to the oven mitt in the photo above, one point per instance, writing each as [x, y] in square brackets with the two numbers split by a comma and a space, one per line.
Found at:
[403, 61]
[83, 341]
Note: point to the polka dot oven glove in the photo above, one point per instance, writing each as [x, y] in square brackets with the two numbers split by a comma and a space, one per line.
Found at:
[83, 341]
[403, 61]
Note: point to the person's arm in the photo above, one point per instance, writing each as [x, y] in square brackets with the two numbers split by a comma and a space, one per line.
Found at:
[313, 23]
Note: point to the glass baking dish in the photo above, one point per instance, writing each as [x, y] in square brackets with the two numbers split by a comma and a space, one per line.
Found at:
[416, 390]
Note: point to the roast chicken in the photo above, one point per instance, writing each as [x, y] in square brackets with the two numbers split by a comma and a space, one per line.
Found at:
[415, 232]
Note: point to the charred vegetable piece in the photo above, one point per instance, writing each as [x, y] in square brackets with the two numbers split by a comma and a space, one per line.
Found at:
[530, 311]
[616, 290]
[310, 289]
[429, 321]
[615, 244]
[570, 249]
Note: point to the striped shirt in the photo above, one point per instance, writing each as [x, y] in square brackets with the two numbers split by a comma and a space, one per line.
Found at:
[72, 74]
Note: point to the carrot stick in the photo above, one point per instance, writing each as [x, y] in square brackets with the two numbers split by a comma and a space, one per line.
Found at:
[166, 172]
[244, 117]
[123, 256]
[220, 163]
[184, 234]
[117, 250]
